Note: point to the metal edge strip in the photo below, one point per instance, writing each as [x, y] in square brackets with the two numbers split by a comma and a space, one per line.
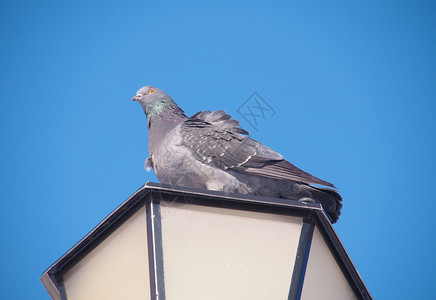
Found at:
[232, 197]
[52, 277]
[51, 286]
[155, 250]
[301, 260]
[341, 256]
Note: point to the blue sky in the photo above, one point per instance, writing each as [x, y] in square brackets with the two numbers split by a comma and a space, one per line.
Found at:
[352, 84]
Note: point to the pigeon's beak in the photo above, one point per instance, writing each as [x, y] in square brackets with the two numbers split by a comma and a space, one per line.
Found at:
[137, 97]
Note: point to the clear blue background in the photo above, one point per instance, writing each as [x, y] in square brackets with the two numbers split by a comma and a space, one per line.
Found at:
[352, 82]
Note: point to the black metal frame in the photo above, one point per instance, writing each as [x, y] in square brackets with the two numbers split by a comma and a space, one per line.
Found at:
[151, 195]
[301, 260]
[52, 278]
[155, 251]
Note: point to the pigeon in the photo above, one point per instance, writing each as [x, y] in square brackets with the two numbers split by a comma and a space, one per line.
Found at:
[211, 151]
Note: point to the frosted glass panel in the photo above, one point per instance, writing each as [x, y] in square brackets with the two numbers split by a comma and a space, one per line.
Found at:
[115, 269]
[217, 253]
[324, 279]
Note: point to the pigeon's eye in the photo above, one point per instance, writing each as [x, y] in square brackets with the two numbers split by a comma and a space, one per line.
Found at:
[151, 91]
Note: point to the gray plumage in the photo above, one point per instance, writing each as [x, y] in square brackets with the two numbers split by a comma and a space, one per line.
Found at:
[209, 150]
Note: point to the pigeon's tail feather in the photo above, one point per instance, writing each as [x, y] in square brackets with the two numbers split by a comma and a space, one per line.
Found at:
[330, 200]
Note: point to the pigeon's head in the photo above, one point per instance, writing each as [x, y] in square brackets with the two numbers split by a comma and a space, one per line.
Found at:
[149, 95]
[155, 102]
[151, 99]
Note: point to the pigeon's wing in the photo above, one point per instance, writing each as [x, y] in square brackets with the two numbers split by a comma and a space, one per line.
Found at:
[220, 119]
[215, 139]
[286, 171]
[216, 145]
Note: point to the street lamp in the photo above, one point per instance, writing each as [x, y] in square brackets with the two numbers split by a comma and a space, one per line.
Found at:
[169, 242]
